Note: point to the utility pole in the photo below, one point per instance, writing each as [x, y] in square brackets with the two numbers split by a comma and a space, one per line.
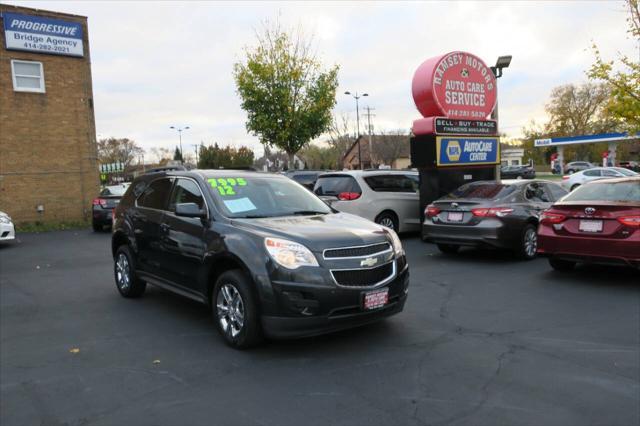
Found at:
[195, 145]
[369, 131]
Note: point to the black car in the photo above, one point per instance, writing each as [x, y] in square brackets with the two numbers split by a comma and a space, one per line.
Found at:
[104, 204]
[517, 172]
[497, 214]
[306, 178]
[268, 256]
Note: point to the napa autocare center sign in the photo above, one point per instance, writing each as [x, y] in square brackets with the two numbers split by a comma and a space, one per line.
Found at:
[43, 35]
[468, 151]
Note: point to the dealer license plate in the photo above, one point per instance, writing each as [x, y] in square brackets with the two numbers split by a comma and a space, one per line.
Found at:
[454, 217]
[591, 225]
[376, 299]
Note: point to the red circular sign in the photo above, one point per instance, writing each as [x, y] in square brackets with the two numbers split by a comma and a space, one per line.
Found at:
[455, 85]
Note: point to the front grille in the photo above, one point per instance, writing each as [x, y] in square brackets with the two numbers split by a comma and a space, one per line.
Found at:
[363, 277]
[356, 251]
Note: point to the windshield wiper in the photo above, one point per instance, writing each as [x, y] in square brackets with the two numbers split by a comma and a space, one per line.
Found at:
[307, 212]
[253, 216]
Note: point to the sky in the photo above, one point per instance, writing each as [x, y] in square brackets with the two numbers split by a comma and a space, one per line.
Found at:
[162, 64]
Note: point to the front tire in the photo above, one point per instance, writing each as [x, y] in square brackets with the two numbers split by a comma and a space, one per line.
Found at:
[448, 248]
[561, 265]
[528, 243]
[388, 219]
[128, 284]
[235, 310]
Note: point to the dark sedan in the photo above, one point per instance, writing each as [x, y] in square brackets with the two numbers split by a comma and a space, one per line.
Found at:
[517, 172]
[104, 204]
[495, 214]
[306, 178]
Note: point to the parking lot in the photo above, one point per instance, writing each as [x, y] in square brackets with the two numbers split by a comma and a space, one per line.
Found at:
[484, 340]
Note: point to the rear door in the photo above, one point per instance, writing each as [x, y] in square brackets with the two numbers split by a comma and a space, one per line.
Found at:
[146, 219]
[396, 192]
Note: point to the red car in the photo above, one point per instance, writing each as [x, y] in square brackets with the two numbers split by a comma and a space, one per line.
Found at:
[599, 222]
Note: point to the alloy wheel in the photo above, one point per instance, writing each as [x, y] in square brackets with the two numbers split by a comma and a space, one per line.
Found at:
[230, 309]
[530, 242]
[123, 272]
[386, 221]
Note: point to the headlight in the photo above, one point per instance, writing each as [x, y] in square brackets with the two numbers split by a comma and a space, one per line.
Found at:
[289, 254]
[5, 219]
[395, 240]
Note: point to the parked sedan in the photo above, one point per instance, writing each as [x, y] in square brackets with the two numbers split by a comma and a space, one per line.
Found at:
[104, 204]
[573, 181]
[577, 166]
[387, 197]
[598, 222]
[490, 214]
[517, 172]
[7, 229]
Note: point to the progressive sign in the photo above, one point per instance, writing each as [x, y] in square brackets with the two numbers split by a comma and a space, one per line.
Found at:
[43, 35]
[467, 151]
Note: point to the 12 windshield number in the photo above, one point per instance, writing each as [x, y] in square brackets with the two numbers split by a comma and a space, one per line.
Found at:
[225, 185]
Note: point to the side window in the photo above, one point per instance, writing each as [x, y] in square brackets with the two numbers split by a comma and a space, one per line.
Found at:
[592, 173]
[186, 191]
[610, 173]
[156, 194]
[535, 192]
[391, 183]
[556, 191]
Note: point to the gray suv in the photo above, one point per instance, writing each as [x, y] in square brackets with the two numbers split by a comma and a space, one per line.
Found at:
[387, 197]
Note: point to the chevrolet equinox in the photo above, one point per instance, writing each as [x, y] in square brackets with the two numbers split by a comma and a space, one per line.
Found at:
[265, 254]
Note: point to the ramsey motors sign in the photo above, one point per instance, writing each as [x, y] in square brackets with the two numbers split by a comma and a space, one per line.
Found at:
[43, 35]
[457, 85]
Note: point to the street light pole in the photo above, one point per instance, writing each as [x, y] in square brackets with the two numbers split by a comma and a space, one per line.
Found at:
[501, 63]
[180, 129]
[357, 97]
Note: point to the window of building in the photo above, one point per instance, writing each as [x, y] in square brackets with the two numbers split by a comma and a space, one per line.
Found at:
[28, 76]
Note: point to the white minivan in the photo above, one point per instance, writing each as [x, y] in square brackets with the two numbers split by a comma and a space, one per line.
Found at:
[387, 197]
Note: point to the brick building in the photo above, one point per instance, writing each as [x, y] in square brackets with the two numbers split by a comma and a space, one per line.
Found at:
[48, 165]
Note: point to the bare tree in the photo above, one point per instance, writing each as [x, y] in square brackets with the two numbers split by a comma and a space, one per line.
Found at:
[388, 146]
[339, 138]
[124, 150]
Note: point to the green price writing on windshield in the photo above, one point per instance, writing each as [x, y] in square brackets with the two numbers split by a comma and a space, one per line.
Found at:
[225, 185]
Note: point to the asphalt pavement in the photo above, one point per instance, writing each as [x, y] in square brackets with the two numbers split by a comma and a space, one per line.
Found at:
[484, 340]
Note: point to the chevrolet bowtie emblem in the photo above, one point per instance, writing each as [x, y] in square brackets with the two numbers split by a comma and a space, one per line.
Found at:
[369, 261]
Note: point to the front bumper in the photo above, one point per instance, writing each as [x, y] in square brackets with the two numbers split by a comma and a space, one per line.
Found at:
[7, 232]
[488, 233]
[314, 310]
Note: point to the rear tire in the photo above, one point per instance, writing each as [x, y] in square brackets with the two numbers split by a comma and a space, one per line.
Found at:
[575, 186]
[448, 248]
[528, 243]
[124, 268]
[388, 219]
[561, 265]
[235, 310]
[570, 171]
[96, 227]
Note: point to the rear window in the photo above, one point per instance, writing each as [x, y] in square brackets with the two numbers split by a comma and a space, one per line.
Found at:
[335, 184]
[603, 191]
[114, 190]
[488, 190]
[391, 183]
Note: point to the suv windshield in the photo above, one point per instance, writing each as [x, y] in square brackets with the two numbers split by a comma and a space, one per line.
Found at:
[255, 196]
[606, 191]
[484, 190]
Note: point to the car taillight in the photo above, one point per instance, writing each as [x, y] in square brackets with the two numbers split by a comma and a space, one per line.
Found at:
[431, 211]
[492, 212]
[348, 196]
[100, 202]
[565, 177]
[633, 221]
[552, 218]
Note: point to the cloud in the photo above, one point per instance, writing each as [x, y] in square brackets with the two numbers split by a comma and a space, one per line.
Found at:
[161, 64]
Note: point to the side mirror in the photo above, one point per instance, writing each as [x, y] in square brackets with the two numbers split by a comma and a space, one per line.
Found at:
[189, 210]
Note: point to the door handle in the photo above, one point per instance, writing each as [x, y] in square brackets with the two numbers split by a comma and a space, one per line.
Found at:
[164, 227]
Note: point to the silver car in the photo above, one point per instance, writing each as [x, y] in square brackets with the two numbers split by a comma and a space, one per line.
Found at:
[387, 197]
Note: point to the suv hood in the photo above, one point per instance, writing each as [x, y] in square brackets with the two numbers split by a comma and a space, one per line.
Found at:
[319, 232]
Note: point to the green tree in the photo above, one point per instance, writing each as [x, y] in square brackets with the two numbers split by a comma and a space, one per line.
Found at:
[243, 157]
[623, 77]
[215, 157]
[572, 110]
[287, 94]
[177, 155]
